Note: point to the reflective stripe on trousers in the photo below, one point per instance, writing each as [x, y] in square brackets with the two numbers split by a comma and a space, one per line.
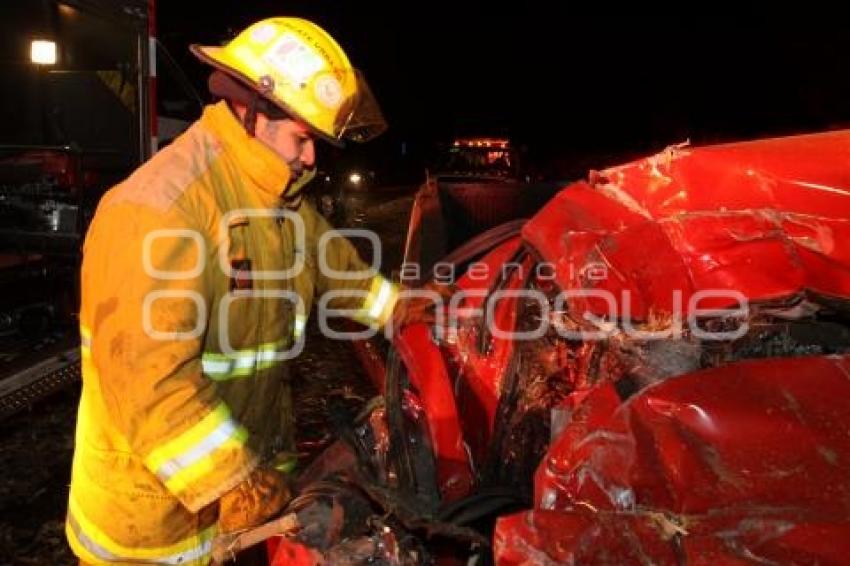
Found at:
[89, 542]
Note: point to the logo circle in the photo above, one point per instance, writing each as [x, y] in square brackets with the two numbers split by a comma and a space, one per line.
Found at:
[328, 91]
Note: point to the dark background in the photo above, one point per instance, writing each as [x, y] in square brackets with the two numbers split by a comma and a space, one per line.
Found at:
[574, 84]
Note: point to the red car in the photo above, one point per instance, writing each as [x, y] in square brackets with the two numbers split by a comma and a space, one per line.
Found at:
[654, 368]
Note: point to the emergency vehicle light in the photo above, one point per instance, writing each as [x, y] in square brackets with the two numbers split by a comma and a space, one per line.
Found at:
[43, 52]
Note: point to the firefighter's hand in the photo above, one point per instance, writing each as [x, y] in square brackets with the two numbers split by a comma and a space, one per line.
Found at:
[254, 501]
[411, 309]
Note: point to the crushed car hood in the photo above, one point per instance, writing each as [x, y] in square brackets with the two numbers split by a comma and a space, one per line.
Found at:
[765, 219]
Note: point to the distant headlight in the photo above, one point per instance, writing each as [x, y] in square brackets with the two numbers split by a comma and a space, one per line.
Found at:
[355, 178]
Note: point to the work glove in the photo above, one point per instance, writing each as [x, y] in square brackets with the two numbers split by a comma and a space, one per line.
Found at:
[421, 309]
[254, 501]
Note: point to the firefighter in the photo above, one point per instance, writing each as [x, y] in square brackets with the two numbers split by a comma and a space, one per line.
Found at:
[198, 273]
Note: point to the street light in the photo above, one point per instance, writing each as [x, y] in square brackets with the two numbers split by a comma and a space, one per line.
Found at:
[43, 52]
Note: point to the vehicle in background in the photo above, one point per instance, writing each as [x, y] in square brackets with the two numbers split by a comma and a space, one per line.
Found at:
[87, 94]
[472, 185]
[478, 158]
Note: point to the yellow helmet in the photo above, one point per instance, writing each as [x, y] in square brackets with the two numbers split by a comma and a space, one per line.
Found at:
[297, 66]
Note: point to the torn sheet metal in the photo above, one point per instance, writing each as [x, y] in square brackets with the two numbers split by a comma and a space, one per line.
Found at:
[759, 218]
[743, 462]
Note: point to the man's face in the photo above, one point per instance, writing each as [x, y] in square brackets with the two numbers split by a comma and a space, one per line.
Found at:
[291, 140]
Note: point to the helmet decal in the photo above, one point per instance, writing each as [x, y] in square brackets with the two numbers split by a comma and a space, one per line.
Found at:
[294, 59]
[328, 91]
[263, 33]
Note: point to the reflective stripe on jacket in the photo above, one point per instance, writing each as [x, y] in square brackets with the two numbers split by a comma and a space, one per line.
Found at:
[195, 285]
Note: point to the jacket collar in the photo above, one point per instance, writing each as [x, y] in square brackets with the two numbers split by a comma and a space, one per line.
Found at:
[265, 169]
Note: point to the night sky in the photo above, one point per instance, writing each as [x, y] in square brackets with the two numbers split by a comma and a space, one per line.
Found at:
[570, 82]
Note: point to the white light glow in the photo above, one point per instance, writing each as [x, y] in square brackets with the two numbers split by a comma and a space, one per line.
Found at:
[43, 52]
